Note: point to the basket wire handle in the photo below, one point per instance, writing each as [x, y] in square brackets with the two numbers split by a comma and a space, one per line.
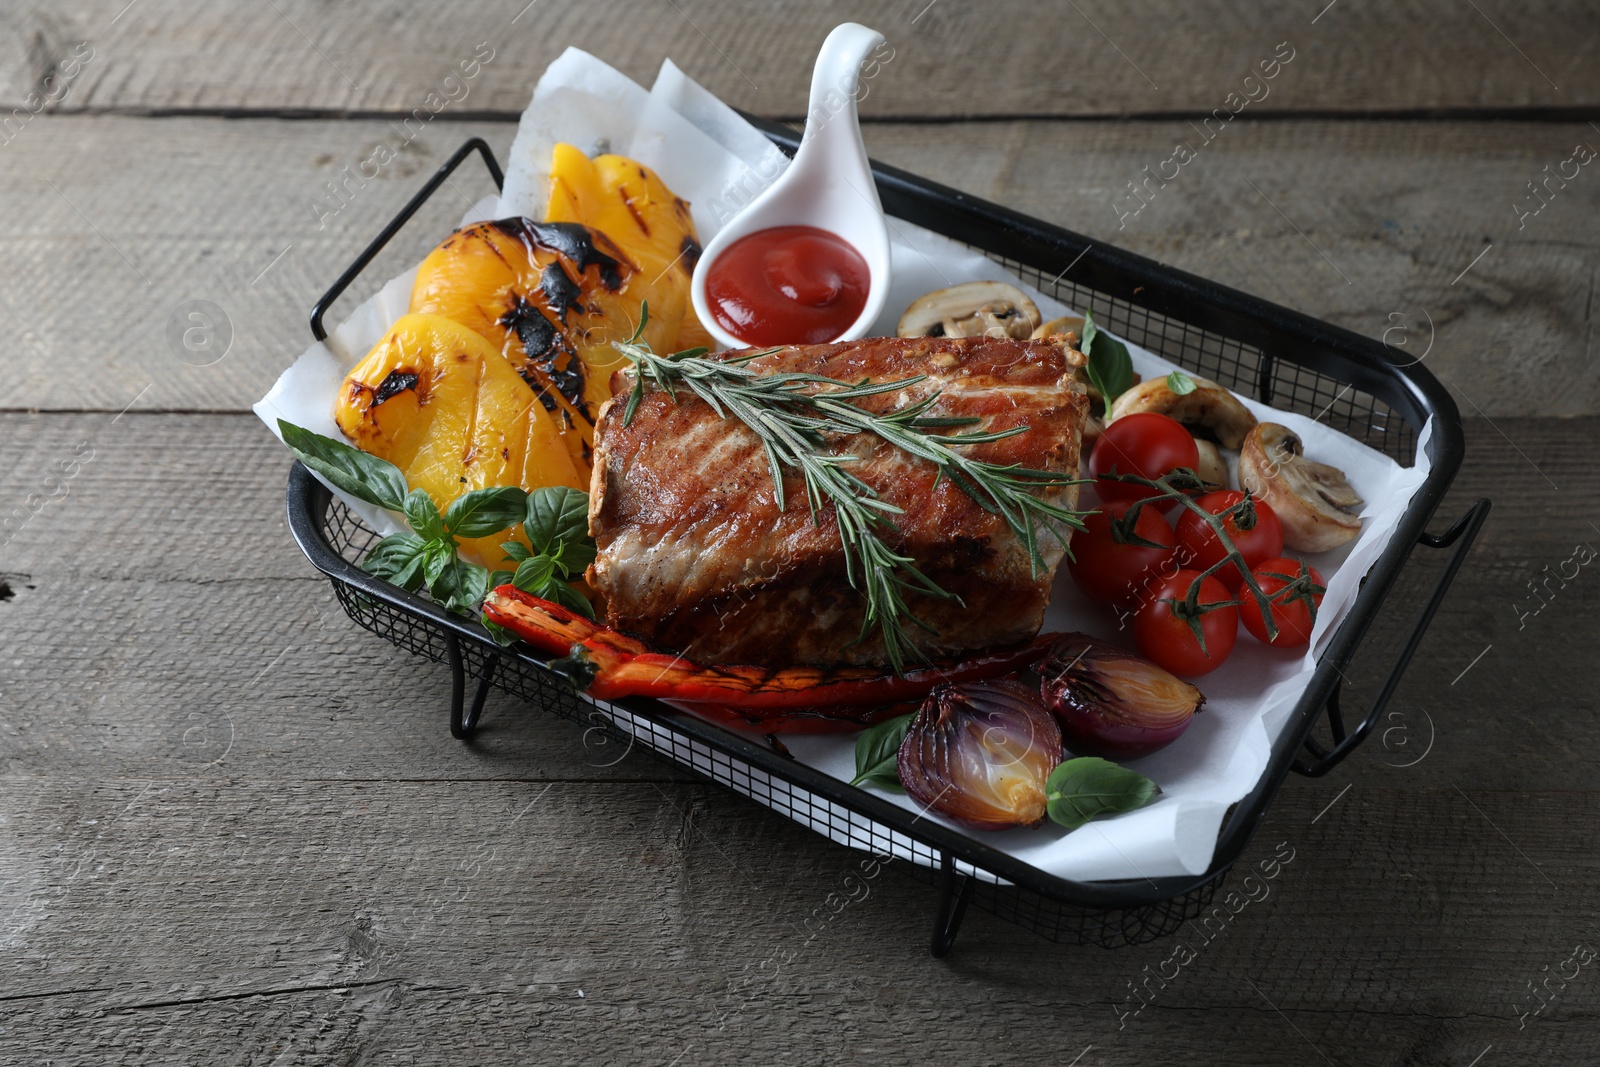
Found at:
[475, 144]
[463, 717]
[1462, 533]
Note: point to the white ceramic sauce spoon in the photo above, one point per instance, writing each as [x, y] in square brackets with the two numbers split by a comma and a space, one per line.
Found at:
[828, 185]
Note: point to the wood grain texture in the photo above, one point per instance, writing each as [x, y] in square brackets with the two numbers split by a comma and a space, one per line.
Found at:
[1005, 57]
[107, 242]
[346, 883]
[233, 826]
[317, 923]
[186, 587]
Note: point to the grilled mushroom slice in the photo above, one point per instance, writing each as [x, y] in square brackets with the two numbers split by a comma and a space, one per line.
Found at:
[1316, 505]
[1212, 468]
[1210, 410]
[1093, 427]
[1070, 324]
[972, 309]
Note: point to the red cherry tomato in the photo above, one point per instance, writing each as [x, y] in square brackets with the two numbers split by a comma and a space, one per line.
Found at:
[1166, 638]
[1200, 548]
[1121, 574]
[1146, 444]
[1295, 591]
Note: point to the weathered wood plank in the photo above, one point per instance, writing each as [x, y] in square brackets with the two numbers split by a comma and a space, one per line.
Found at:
[317, 917]
[184, 596]
[1007, 58]
[349, 881]
[106, 241]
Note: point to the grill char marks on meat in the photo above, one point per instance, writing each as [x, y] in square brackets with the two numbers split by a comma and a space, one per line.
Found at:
[695, 557]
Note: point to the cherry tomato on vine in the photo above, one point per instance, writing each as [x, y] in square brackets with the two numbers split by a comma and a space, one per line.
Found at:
[1295, 591]
[1163, 633]
[1202, 548]
[1145, 443]
[1121, 573]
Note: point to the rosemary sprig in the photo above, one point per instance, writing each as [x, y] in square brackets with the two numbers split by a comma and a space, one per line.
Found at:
[794, 414]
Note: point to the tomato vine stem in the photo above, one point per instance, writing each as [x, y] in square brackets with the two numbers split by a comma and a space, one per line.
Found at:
[1179, 486]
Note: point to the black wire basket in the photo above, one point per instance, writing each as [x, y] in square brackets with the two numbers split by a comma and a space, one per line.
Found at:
[1288, 360]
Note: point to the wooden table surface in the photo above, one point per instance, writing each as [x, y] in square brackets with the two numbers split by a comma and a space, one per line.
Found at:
[233, 827]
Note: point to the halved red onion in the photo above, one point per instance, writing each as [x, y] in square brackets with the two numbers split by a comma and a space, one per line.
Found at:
[1113, 703]
[979, 754]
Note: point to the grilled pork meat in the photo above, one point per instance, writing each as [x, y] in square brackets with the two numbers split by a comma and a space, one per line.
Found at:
[694, 555]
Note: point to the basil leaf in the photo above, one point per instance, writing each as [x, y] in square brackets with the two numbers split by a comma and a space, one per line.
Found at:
[533, 574]
[436, 556]
[486, 511]
[1110, 367]
[459, 585]
[397, 559]
[556, 513]
[574, 557]
[1099, 386]
[472, 585]
[502, 636]
[1180, 383]
[878, 753]
[1082, 788]
[423, 515]
[560, 592]
[1090, 369]
[1116, 366]
[538, 575]
[515, 551]
[363, 476]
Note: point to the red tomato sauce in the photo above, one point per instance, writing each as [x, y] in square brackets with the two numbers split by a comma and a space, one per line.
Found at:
[788, 285]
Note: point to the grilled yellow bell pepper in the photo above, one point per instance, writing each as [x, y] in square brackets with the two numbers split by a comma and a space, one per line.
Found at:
[439, 402]
[550, 297]
[630, 204]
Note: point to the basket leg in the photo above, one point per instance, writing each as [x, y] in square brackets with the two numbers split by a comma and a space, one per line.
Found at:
[464, 725]
[952, 907]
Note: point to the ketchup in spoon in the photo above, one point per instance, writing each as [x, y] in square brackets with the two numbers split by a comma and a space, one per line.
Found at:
[787, 285]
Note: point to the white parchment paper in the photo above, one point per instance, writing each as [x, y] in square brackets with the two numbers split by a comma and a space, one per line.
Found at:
[710, 156]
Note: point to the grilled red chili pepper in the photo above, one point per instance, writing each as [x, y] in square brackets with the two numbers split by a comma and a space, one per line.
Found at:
[617, 666]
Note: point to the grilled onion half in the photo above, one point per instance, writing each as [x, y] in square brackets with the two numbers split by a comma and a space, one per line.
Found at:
[1112, 703]
[979, 754]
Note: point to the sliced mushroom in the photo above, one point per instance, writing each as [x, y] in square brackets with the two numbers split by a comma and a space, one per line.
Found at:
[1068, 324]
[1210, 410]
[1212, 468]
[972, 309]
[1093, 427]
[1316, 505]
